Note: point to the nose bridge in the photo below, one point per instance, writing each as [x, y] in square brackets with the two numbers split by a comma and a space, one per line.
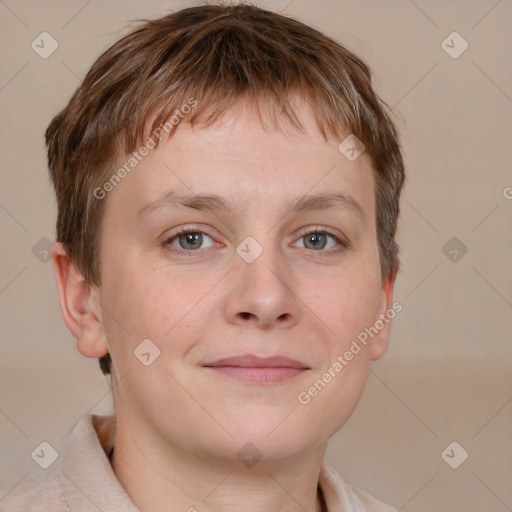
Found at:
[261, 264]
[261, 289]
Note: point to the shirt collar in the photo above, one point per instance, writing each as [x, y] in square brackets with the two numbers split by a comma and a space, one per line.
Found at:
[88, 479]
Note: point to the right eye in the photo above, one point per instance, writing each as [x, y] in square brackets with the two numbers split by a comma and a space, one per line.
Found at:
[189, 240]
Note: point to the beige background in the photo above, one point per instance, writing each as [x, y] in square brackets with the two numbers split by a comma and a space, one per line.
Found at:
[447, 374]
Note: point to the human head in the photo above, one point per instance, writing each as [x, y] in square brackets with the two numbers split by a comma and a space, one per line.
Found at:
[220, 55]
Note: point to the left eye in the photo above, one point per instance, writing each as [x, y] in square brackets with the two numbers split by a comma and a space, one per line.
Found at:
[318, 239]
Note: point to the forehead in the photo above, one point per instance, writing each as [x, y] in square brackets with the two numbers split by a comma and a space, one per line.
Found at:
[248, 163]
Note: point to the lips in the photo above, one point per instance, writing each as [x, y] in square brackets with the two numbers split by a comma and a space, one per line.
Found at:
[253, 361]
[258, 370]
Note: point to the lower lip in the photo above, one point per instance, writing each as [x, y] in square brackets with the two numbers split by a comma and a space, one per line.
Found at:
[262, 375]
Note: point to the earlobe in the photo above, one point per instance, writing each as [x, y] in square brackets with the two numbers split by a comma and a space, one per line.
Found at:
[80, 309]
[382, 319]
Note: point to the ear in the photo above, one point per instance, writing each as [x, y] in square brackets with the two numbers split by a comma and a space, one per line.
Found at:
[380, 341]
[79, 304]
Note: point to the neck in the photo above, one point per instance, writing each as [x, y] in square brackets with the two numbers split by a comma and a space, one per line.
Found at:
[184, 481]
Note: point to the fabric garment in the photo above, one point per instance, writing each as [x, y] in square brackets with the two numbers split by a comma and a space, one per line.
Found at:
[84, 480]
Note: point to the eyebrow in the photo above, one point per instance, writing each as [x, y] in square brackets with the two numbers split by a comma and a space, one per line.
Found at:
[308, 202]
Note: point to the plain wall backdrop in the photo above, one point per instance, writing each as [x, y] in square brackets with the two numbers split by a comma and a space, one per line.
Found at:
[447, 374]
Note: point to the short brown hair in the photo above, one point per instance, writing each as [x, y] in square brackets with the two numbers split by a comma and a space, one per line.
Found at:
[219, 55]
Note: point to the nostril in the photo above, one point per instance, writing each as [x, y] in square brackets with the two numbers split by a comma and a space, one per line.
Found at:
[246, 315]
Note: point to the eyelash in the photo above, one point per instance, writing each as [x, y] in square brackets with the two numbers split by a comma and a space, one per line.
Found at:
[343, 244]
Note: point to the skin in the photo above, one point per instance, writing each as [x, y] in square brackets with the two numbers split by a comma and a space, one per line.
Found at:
[180, 425]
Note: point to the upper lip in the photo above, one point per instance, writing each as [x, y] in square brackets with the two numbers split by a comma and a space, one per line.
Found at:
[253, 361]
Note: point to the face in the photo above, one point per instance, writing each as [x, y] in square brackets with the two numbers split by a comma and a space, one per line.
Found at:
[265, 277]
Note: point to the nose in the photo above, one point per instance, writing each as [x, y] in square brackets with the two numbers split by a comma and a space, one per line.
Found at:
[262, 294]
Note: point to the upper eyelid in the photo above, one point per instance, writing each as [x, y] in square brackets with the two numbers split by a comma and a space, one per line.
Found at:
[305, 231]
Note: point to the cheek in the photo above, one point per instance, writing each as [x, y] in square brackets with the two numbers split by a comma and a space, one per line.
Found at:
[155, 305]
[348, 305]
[136, 307]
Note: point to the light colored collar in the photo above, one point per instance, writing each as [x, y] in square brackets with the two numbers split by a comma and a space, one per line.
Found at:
[86, 468]
[89, 481]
